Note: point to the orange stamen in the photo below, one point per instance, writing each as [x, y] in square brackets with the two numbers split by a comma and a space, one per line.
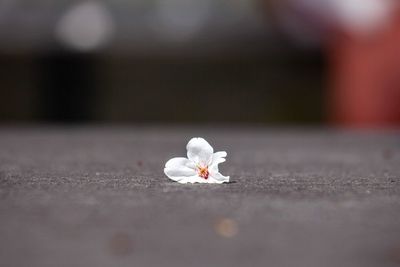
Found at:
[203, 172]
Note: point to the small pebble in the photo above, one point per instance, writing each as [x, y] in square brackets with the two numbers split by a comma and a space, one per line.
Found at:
[226, 227]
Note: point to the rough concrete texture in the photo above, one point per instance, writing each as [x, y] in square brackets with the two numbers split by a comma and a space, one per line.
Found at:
[97, 196]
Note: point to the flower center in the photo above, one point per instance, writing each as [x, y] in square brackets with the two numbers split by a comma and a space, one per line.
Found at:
[203, 172]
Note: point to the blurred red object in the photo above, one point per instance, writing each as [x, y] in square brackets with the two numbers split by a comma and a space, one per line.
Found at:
[366, 77]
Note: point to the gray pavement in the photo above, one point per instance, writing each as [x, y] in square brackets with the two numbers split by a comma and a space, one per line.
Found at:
[97, 196]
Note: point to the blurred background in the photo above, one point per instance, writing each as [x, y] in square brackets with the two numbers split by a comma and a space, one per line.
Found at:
[275, 62]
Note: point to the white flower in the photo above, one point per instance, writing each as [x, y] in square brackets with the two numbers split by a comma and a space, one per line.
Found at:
[201, 166]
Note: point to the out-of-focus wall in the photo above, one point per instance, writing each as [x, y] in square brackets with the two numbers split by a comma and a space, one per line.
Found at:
[167, 60]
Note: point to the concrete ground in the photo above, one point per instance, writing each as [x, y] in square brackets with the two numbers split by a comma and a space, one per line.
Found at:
[97, 196]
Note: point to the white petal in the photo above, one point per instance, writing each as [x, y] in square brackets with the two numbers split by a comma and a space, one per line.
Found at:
[194, 179]
[180, 162]
[179, 169]
[216, 177]
[199, 151]
[211, 180]
[218, 157]
[191, 180]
